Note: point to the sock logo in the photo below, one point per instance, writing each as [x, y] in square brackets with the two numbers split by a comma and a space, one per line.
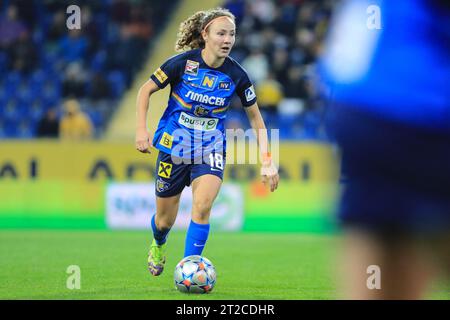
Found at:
[198, 245]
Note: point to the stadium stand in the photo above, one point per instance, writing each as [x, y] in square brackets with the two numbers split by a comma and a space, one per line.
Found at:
[43, 64]
[278, 43]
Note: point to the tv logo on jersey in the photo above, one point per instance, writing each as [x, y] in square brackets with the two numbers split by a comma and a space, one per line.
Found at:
[250, 94]
[224, 85]
[208, 82]
[191, 67]
[204, 124]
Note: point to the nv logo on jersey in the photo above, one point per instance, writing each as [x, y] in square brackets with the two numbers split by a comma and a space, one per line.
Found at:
[208, 82]
[224, 85]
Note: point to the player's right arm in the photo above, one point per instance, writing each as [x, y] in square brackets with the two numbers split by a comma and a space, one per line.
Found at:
[143, 137]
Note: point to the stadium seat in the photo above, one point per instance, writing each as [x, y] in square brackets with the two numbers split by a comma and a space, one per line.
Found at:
[44, 83]
[311, 123]
[50, 94]
[25, 129]
[117, 81]
[10, 128]
[36, 110]
[2, 130]
[38, 78]
[3, 63]
[96, 117]
[98, 62]
[24, 95]
[12, 81]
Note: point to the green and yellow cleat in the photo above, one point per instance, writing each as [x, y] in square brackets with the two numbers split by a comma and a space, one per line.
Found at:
[156, 258]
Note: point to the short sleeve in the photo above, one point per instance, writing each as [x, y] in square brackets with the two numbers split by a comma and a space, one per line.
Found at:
[246, 90]
[167, 73]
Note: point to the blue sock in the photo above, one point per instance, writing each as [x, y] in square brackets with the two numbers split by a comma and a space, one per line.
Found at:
[196, 237]
[159, 235]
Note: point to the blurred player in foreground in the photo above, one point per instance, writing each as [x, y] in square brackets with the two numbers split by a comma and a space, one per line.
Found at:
[191, 130]
[390, 115]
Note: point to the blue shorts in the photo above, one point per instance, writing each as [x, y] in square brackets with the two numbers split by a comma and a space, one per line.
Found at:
[172, 175]
[396, 177]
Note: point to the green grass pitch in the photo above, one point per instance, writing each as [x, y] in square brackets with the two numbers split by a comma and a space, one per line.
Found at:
[113, 265]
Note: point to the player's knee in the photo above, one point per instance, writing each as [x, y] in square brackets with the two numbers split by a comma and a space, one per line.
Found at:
[165, 223]
[202, 208]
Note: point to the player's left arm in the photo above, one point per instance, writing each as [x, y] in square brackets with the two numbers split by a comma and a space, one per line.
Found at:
[269, 172]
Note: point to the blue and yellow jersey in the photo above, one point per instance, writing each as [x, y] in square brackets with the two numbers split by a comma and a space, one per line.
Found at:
[400, 70]
[199, 98]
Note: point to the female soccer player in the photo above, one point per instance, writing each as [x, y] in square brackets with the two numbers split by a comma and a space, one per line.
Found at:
[190, 136]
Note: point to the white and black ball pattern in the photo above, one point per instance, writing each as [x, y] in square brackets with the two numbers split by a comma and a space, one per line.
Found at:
[195, 274]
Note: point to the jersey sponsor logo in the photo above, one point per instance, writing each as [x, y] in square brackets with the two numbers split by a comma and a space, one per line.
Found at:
[191, 67]
[166, 140]
[162, 185]
[160, 75]
[250, 94]
[208, 81]
[224, 85]
[203, 98]
[165, 169]
[200, 111]
[197, 123]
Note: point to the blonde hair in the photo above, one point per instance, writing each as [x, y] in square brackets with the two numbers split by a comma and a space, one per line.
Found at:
[190, 32]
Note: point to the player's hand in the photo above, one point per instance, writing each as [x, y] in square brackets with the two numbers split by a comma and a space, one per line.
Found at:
[143, 140]
[270, 175]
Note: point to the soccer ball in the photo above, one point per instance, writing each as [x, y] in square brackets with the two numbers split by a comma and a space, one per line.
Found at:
[195, 274]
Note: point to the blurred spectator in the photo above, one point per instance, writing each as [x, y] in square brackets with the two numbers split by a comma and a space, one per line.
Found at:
[280, 60]
[256, 65]
[22, 54]
[75, 124]
[73, 46]
[295, 85]
[280, 40]
[237, 7]
[100, 88]
[263, 10]
[58, 27]
[91, 30]
[25, 12]
[120, 11]
[269, 92]
[48, 126]
[138, 27]
[74, 81]
[284, 19]
[10, 27]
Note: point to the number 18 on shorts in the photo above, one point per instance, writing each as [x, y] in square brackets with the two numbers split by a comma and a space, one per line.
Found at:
[173, 176]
